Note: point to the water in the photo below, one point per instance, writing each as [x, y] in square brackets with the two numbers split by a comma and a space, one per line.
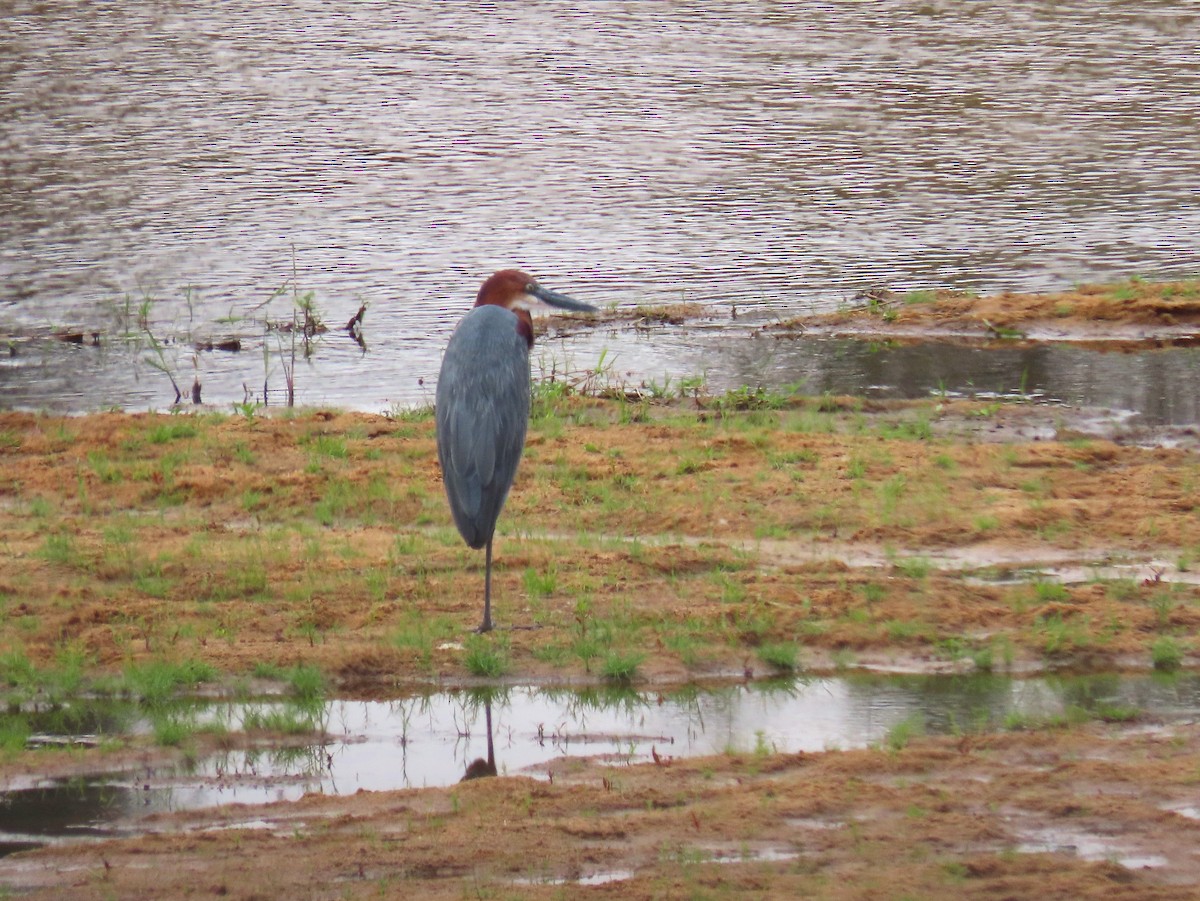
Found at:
[433, 740]
[1156, 386]
[1151, 388]
[771, 157]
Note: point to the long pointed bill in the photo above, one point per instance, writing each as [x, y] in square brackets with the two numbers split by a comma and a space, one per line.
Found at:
[559, 300]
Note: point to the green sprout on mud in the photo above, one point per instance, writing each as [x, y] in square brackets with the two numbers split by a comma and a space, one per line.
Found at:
[902, 733]
[1061, 635]
[1166, 654]
[14, 734]
[306, 683]
[157, 681]
[174, 429]
[780, 655]
[174, 728]
[487, 656]
[59, 547]
[914, 567]
[621, 666]
[540, 584]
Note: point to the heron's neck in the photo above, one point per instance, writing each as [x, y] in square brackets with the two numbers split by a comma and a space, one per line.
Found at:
[524, 325]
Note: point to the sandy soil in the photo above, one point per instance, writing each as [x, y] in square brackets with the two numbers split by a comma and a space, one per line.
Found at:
[692, 535]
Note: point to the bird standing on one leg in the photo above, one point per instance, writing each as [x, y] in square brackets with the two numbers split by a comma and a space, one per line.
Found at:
[483, 406]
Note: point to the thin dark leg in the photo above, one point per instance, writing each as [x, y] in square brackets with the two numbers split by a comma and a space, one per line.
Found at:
[486, 625]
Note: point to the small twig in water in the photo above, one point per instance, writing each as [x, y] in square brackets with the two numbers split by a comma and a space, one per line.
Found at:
[354, 326]
[355, 323]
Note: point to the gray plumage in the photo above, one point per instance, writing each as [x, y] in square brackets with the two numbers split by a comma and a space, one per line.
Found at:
[482, 415]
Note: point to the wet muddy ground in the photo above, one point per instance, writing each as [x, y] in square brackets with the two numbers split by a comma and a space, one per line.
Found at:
[1086, 812]
[1126, 315]
[652, 541]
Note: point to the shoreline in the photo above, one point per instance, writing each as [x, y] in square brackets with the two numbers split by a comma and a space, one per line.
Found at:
[1129, 315]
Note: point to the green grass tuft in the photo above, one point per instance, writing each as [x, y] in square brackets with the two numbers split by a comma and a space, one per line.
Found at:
[899, 736]
[487, 656]
[172, 430]
[781, 655]
[307, 683]
[621, 666]
[1166, 654]
[158, 681]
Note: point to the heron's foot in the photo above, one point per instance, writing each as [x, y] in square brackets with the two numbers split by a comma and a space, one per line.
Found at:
[488, 627]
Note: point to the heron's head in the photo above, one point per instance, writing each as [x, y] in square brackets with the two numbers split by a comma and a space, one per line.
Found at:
[512, 288]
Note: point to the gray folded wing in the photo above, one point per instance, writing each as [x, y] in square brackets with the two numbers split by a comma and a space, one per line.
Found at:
[482, 415]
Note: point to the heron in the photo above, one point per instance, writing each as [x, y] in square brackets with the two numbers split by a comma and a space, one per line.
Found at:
[482, 406]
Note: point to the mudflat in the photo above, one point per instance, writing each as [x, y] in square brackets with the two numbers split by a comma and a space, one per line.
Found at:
[655, 542]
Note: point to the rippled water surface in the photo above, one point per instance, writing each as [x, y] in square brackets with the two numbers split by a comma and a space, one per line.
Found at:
[771, 156]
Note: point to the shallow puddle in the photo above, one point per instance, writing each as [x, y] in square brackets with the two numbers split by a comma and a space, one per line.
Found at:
[1188, 812]
[1088, 846]
[1153, 385]
[598, 877]
[438, 739]
[983, 563]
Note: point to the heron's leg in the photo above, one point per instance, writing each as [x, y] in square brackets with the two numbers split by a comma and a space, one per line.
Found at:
[486, 625]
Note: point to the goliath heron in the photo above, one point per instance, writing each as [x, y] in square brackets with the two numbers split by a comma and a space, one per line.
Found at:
[483, 406]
